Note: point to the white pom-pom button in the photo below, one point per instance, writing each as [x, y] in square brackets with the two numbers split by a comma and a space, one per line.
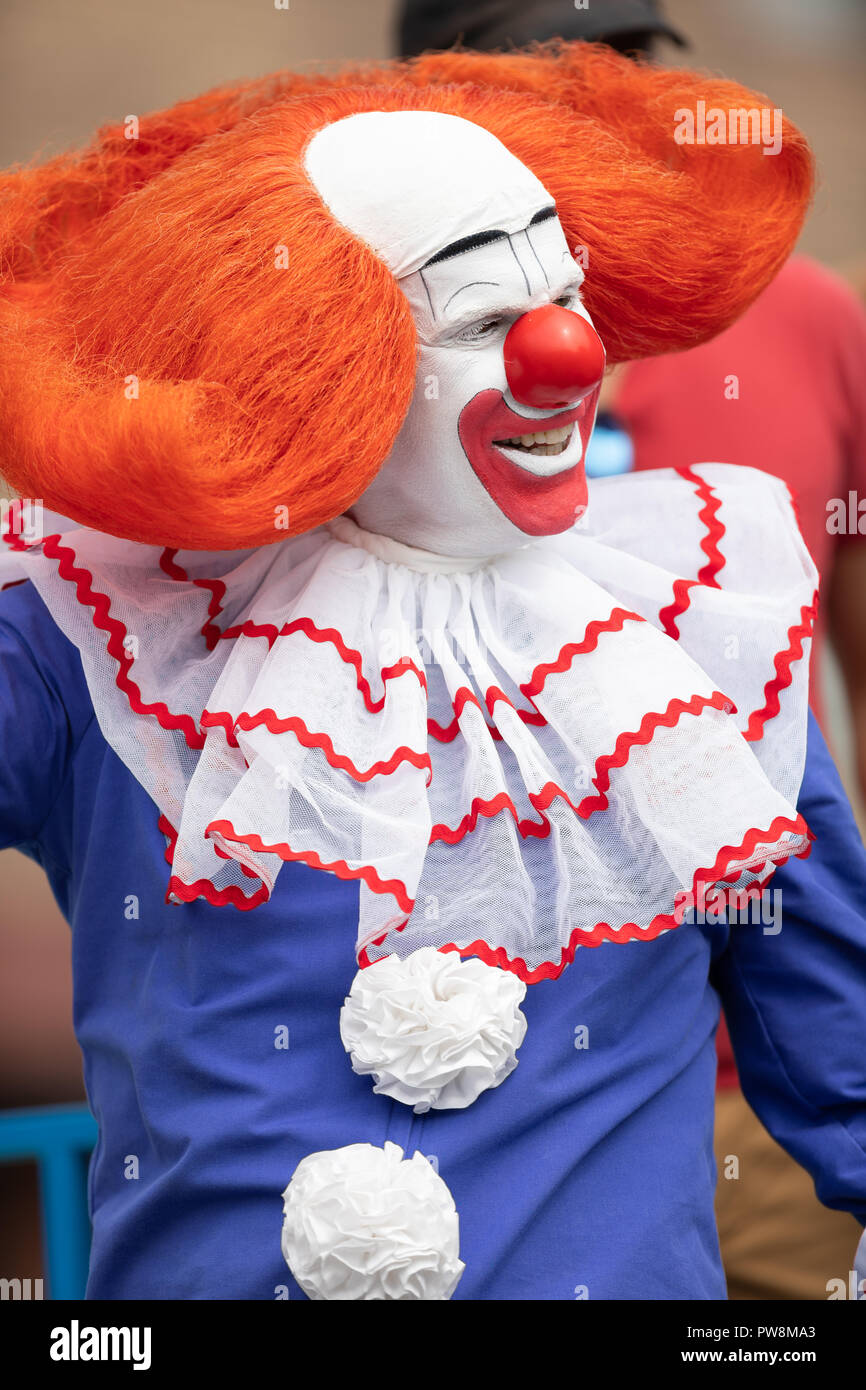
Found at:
[433, 1030]
[363, 1223]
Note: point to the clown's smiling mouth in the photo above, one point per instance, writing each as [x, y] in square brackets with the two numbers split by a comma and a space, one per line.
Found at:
[539, 494]
[545, 442]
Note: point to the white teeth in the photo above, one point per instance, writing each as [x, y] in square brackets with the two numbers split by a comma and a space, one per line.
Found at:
[545, 437]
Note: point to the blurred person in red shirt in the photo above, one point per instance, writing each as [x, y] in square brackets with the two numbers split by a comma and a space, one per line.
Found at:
[781, 390]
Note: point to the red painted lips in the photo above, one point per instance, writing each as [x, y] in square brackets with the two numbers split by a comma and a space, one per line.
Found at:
[536, 505]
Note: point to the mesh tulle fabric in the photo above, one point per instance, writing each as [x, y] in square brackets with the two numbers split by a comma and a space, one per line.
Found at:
[541, 752]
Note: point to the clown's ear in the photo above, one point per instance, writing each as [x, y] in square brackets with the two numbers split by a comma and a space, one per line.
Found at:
[679, 228]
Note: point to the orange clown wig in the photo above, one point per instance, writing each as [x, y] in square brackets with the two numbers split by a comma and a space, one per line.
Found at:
[191, 341]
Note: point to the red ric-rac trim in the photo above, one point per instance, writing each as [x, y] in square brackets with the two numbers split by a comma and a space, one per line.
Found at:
[337, 760]
[349, 655]
[631, 931]
[89, 597]
[648, 726]
[588, 643]
[170, 834]
[534, 686]
[339, 867]
[708, 573]
[217, 897]
[203, 888]
[541, 800]
[209, 631]
[308, 739]
[709, 515]
[674, 610]
[212, 634]
[446, 733]
[783, 661]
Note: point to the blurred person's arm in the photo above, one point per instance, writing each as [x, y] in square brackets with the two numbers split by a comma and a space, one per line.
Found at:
[846, 609]
[845, 592]
[795, 996]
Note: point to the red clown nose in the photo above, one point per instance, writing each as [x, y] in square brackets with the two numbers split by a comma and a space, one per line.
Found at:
[552, 357]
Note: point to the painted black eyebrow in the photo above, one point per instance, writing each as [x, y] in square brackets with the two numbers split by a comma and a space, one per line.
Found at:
[469, 243]
[466, 243]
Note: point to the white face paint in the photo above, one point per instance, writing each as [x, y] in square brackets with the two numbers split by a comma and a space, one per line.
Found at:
[422, 181]
[448, 484]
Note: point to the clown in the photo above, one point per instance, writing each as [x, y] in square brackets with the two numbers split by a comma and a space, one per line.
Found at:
[460, 704]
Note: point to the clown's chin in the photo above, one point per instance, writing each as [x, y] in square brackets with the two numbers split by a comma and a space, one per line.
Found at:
[539, 483]
[539, 506]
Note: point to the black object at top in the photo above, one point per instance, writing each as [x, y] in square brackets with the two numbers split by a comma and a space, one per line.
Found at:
[492, 24]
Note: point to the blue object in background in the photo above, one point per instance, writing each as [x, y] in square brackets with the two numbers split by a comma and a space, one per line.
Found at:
[59, 1138]
[610, 448]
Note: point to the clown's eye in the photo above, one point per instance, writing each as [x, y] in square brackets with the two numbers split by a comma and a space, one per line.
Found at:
[568, 301]
[485, 328]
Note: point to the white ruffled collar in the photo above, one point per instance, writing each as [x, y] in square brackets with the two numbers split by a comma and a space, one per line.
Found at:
[511, 758]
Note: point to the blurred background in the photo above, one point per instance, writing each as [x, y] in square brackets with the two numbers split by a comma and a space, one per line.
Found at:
[67, 69]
